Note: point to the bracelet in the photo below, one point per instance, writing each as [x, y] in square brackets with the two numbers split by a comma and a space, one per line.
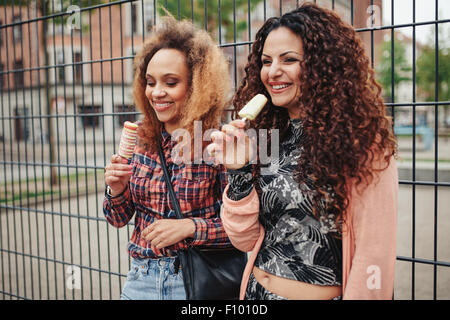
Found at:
[108, 191]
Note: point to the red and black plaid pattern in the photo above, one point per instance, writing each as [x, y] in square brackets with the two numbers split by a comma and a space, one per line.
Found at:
[199, 189]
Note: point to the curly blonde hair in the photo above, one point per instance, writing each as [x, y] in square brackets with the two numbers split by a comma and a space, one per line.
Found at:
[209, 81]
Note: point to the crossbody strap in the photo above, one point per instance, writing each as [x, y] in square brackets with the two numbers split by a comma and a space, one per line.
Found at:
[172, 195]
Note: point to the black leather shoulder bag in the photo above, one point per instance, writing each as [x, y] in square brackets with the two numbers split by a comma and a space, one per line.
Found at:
[208, 273]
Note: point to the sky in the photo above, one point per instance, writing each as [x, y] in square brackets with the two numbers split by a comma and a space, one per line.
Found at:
[425, 11]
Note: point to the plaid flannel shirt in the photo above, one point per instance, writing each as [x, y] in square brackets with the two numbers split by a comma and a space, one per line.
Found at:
[199, 189]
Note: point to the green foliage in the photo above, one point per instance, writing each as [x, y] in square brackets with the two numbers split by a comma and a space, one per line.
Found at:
[196, 12]
[426, 74]
[401, 73]
[426, 71]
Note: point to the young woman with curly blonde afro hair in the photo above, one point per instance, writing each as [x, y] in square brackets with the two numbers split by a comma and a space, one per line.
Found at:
[208, 86]
[181, 76]
[320, 219]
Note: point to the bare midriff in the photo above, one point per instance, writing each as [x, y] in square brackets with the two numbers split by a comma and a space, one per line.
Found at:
[295, 290]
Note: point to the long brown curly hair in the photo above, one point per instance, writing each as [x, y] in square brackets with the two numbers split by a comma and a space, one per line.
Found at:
[342, 111]
[209, 83]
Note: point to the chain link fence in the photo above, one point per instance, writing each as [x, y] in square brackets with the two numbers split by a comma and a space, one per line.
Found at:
[66, 88]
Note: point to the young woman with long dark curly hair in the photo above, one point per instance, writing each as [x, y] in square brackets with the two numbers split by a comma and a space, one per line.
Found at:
[321, 219]
[181, 76]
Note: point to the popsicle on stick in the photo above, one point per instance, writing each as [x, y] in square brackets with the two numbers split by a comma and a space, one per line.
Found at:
[128, 139]
[253, 107]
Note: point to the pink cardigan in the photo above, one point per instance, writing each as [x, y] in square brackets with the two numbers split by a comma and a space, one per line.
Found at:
[368, 242]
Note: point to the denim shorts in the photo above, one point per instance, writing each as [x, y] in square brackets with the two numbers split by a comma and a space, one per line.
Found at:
[154, 279]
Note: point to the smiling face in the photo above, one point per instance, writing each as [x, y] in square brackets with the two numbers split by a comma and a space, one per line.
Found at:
[167, 84]
[280, 72]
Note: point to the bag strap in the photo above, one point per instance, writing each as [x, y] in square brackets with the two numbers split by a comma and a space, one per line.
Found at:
[172, 195]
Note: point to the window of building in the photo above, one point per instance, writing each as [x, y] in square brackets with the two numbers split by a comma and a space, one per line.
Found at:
[78, 71]
[2, 66]
[60, 73]
[148, 16]
[18, 75]
[123, 114]
[88, 117]
[134, 15]
[21, 124]
[17, 29]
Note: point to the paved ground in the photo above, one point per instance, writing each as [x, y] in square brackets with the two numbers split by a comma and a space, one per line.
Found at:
[79, 238]
[424, 242]
[51, 237]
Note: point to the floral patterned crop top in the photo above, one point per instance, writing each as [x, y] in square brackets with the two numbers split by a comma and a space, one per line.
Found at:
[296, 245]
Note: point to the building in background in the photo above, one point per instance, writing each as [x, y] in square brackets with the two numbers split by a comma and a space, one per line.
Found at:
[90, 63]
[364, 15]
[90, 70]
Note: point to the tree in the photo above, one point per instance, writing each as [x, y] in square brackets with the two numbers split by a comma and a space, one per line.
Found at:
[387, 76]
[195, 11]
[45, 9]
[426, 74]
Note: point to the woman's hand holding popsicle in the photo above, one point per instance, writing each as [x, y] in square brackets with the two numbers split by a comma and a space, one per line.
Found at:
[117, 174]
[232, 146]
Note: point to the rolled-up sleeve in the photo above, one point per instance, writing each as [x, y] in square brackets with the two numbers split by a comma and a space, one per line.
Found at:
[240, 220]
[118, 210]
